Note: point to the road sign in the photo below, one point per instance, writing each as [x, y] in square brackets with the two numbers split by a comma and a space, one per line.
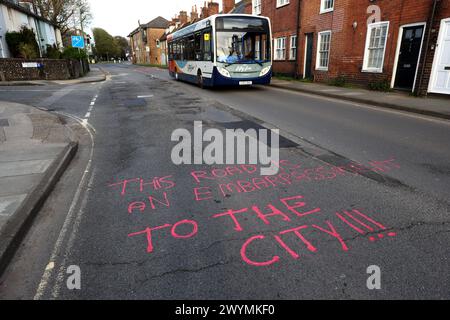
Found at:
[78, 42]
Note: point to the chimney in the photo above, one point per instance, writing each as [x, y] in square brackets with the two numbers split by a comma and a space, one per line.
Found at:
[227, 5]
[248, 7]
[213, 8]
[183, 17]
[194, 13]
[204, 12]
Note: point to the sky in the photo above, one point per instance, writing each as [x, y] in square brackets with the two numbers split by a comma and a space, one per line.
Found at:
[119, 18]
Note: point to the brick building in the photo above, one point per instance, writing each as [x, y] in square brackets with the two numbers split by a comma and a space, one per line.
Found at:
[285, 19]
[145, 42]
[378, 42]
[383, 43]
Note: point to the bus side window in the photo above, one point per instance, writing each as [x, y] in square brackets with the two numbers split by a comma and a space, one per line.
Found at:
[190, 48]
[177, 50]
[198, 47]
[182, 51]
[207, 56]
[170, 51]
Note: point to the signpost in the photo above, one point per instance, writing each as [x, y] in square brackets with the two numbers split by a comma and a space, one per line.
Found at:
[78, 42]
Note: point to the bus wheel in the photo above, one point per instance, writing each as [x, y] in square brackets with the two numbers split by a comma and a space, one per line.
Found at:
[200, 79]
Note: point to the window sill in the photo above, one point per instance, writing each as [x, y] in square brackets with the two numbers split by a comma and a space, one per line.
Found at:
[282, 5]
[321, 69]
[372, 70]
[326, 11]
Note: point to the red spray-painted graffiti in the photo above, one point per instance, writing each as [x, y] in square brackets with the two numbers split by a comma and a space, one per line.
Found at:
[287, 212]
[301, 237]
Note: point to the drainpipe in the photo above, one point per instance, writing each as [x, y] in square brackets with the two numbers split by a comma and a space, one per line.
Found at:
[296, 73]
[430, 27]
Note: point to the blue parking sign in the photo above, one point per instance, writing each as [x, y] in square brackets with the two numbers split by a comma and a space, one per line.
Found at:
[78, 42]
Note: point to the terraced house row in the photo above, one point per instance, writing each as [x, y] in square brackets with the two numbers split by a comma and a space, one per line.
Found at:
[378, 43]
[394, 43]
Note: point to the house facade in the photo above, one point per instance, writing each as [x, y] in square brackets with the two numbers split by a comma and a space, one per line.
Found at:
[145, 42]
[370, 42]
[384, 43]
[15, 14]
[285, 19]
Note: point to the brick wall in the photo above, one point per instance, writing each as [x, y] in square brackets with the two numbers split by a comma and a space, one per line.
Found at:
[284, 24]
[155, 52]
[428, 53]
[12, 70]
[348, 43]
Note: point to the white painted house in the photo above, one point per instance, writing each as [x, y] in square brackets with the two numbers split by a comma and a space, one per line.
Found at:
[15, 14]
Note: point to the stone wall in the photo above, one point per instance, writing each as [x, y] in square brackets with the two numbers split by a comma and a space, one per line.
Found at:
[48, 69]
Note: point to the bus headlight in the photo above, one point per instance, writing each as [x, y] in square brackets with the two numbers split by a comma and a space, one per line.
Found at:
[224, 72]
[264, 71]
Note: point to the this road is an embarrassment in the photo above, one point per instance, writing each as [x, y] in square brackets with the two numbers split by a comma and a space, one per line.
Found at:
[358, 186]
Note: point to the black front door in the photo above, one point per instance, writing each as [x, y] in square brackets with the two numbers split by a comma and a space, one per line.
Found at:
[309, 55]
[408, 57]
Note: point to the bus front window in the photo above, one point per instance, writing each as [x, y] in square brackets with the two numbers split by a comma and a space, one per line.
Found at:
[235, 47]
[242, 40]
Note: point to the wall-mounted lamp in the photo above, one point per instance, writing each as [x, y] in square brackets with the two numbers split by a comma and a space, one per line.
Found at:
[355, 25]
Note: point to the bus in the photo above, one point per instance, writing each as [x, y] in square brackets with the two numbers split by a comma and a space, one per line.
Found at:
[222, 50]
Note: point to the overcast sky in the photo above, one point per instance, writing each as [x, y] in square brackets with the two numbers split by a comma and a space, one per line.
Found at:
[119, 18]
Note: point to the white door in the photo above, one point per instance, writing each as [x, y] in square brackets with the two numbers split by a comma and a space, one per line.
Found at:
[440, 81]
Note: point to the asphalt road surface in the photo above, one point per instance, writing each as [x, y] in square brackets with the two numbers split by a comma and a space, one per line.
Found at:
[358, 186]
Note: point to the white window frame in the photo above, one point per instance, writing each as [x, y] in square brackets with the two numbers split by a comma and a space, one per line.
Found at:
[256, 7]
[366, 49]
[319, 38]
[322, 6]
[293, 47]
[282, 3]
[276, 48]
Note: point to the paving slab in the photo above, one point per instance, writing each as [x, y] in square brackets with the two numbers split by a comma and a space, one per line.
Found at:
[35, 149]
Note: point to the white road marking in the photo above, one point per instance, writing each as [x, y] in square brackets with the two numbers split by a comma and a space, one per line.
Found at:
[368, 106]
[73, 218]
[147, 96]
[87, 115]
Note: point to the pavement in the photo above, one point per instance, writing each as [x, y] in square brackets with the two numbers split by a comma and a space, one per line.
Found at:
[35, 148]
[432, 106]
[96, 74]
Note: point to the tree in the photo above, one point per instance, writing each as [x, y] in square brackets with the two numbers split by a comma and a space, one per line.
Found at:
[123, 45]
[66, 14]
[105, 44]
[22, 44]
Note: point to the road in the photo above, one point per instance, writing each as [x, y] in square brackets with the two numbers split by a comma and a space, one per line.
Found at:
[309, 233]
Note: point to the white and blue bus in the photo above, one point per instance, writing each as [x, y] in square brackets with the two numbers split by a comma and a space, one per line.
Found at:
[221, 50]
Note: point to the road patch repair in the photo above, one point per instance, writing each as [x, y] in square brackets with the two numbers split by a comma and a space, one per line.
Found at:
[35, 149]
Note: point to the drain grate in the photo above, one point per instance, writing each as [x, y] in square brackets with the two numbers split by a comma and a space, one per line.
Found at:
[4, 123]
